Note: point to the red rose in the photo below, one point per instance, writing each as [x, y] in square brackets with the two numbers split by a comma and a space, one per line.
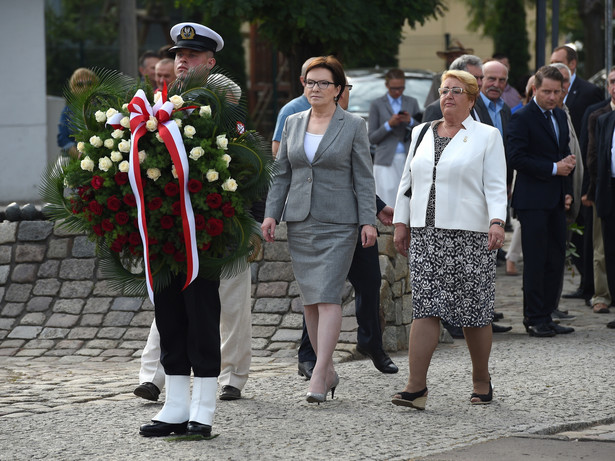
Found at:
[205, 246]
[121, 178]
[199, 222]
[214, 200]
[97, 228]
[168, 248]
[214, 226]
[130, 200]
[176, 209]
[154, 203]
[122, 218]
[228, 210]
[194, 186]
[122, 238]
[95, 207]
[171, 189]
[151, 240]
[153, 256]
[166, 222]
[113, 203]
[179, 257]
[107, 225]
[134, 238]
[84, 192]
[117, 246]
[97, 182]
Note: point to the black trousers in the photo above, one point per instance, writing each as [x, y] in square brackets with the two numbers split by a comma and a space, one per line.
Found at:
[543, 240]
[365, 277]
[189, 326]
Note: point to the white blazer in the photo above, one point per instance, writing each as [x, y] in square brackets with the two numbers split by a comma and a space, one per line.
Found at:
[470, 179]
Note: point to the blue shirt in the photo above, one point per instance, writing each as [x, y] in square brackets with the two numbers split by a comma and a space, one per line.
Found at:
[396, 106]
[298, 104]
[494, 109]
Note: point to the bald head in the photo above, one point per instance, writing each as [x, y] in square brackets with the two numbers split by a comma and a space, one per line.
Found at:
[494, 82]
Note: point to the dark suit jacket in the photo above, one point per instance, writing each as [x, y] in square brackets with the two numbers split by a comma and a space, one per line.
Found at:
[532, 149]
[432, 112]
[581, 95]
[604, 132]
[592, 147]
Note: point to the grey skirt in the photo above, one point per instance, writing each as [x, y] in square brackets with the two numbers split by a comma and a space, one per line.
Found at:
[321, 254]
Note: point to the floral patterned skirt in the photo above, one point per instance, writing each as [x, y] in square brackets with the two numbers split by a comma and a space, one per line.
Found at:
[452, 275]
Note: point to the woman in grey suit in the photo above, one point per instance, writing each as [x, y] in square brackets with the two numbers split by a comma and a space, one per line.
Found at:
[324, 190]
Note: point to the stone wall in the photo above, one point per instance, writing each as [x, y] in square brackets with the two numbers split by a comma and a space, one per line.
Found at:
[54, 299]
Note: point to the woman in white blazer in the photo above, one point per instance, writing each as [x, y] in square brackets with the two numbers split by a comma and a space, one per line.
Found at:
[452, 201]
[324, 190]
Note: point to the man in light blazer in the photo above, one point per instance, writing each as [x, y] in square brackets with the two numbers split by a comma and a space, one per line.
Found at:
[538, 149]
[390, 118]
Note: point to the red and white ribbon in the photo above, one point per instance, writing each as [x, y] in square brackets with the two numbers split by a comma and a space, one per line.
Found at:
[140, 112]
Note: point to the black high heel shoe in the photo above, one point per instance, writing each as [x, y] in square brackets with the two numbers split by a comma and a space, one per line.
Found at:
[483, 399]
[416, 400]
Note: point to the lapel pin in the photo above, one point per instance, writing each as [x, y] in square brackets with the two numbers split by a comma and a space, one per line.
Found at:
[465, 139]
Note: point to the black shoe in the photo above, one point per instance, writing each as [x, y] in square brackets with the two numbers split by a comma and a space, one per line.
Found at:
[160, 429]
[578, 294]
[195, 428]
[501, 255]
[611, 324]
[497, 316]
[306, 368]
[560, 330]
[499, 328]
[542, 330]
[455, 332]
[381, 360]
[147, 391]
[562, 315]
[230, 393]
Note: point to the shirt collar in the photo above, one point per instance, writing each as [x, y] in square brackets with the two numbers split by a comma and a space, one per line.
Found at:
[392, 100]
[498, 104]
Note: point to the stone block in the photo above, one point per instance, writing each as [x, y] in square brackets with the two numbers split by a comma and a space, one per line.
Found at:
[126, 304]
[293, 289]
[49, 269]
[394, 338]
[97, 305]
[62, 320]
[132, 345]
[39, 344]
[83, 247]
[18, 292]
[147, 305]
[3, 334]
[102, 344]
[69, 306]
[30, 252]
[104, 288]
[25, 332]
[46, 287]
[266, 319]
[34, 231]
[139, 334]
[349, 324]
[118, 319]
[30, 352]
[5, 270]
[6, 252]
[77, 269]
[272, 305]
[91, 320]
[39, 304]
[8, 232]
[60, 231]
[142, 319]
[76, 289]
[89, 352]
[406, 316]
[57, 248]
[13, 309]
[6, 324]
[292, 320]
[111, 333]
[276, 271]
[296, 305]
[262, 332]
[12, 343]
[271, 289]
[276, 251]
[69, 344]
[23, 273]
[82, 333]
[33, 318]
[348, 337]
[259, 343]
[116, 353]
[281, 348]
[349, 309]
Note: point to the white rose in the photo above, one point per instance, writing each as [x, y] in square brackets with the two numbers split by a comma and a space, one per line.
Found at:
[178, 122]
[230, 185]
[87, 164]
[125, 106]
[81, 146]
[151, 124]
[174, 172]
[125, 122]
[109, 143]
[124, 166]
[196, 153]
[118, 134]
[142, 156]
[222, 142]
[116, 156]
[105, 163]
[153, 173]
[205, 111]
[177, 101]
[189, 131]
[124, 146]
[227, 159]
[158, 137]
[100, 116]
[111, 112]
[212, 175]
[96, 141]
[157, 96]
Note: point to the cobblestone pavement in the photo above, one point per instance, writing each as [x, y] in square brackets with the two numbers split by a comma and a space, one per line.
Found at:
[553, 400]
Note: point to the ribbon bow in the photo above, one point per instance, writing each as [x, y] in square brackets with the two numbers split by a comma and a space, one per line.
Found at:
[140, 113]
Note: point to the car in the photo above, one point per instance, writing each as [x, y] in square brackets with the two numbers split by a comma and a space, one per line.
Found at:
[368, 84]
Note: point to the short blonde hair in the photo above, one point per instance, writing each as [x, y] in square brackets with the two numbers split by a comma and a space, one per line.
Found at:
[82, 78]
[468, 80]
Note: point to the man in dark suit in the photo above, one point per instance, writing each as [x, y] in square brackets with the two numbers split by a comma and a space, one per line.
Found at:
[581, 95]
[537, 147]
[490, 107]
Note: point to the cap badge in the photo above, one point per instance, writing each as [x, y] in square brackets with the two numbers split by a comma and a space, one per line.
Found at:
[187, 33]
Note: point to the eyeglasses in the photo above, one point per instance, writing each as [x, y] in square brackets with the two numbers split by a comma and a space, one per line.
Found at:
[349, 87]
[322, 84]
[455, 90]
[397, 88]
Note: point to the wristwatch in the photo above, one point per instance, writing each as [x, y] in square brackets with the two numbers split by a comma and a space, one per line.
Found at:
[497, 223]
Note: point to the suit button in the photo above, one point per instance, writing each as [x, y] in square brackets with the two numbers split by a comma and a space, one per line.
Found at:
[309, 180]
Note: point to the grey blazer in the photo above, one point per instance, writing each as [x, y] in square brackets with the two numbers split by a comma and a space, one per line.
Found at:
[380, 111]
[337, 187]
